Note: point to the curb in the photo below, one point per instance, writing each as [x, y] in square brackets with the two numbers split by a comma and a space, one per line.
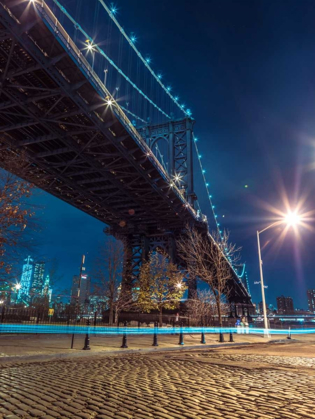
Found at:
[86, 354]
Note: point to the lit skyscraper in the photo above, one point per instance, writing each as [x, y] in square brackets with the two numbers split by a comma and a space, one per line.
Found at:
[84, 288]
[47, 291]
[38, 279]
[80, 285]
[26, 279]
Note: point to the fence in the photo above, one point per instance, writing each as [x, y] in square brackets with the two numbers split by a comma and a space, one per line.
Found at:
[41, 316]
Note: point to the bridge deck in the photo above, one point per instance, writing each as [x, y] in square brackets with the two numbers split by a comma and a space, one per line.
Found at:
[53, 109]
[85, 152]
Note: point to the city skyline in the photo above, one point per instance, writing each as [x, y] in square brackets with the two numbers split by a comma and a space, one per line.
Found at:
[33, 283]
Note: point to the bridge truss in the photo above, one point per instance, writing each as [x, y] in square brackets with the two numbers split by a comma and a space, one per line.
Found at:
[80, 146]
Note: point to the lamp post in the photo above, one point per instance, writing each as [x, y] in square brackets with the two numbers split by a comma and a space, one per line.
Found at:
[290, 219]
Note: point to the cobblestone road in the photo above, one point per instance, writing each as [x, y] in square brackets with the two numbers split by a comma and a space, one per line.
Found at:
[168, 386]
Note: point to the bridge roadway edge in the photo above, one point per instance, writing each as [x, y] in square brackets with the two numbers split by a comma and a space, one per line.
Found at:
[51, 70]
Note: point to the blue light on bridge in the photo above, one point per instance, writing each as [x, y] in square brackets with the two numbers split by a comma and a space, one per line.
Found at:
[176, 98]
[196, 139]
[159, 76]
[203, 171]
[148, 60]
[133, 39]
[207, 185]
[169, 88]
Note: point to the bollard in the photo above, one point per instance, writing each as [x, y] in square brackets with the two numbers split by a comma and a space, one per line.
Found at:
[72, 340]
[203, 340]
[139, 324]
[124, 340]
[87, 338]
[289, 335]
[155, 341]
[95, 318]
[231, 337]
[2, 314]
[181, 336]
[221, 337]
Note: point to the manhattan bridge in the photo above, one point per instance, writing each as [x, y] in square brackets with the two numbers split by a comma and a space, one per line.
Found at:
[100, 129]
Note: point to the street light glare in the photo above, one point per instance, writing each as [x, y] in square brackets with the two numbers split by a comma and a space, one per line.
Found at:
[292, 218]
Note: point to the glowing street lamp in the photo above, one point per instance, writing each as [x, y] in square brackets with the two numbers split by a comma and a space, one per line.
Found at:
[291, 219]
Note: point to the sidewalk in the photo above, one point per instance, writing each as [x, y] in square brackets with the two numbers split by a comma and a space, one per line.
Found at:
[28, 347]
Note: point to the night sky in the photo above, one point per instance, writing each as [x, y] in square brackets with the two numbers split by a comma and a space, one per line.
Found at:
[246, 69]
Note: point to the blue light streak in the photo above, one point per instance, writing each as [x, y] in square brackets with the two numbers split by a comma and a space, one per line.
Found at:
[103, 330]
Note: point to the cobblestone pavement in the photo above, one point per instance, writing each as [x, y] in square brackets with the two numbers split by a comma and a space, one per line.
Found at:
[161, 386]
[294, 361]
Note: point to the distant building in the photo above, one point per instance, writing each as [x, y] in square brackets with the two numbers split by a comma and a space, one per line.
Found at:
[285, 305]
[97, 303]
[84, 288]
[26, 280]
[311, 300]
[38, 279]
[47, 291]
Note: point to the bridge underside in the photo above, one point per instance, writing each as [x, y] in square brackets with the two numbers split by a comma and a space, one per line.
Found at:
[53, 111]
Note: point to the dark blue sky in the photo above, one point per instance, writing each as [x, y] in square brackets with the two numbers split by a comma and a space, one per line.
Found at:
[246, 69]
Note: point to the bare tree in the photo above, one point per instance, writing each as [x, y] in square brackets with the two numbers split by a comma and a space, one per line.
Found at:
[159, 285]
[16, 212]
[208, 259]
[202, 307]
[108, 274]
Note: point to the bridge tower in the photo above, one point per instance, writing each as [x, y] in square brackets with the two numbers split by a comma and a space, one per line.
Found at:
[177, 136]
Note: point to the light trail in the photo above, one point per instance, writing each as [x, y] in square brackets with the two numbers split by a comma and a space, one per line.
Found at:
[103, 330]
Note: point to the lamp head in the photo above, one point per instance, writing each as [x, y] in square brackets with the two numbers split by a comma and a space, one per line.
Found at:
[292, 218]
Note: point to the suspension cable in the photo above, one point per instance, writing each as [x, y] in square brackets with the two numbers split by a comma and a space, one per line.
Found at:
[95, 46]
[145, 61]
[207, 188]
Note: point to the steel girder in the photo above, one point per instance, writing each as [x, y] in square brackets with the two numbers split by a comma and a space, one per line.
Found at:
[109, 158]
[79, 149]
[179, 137]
